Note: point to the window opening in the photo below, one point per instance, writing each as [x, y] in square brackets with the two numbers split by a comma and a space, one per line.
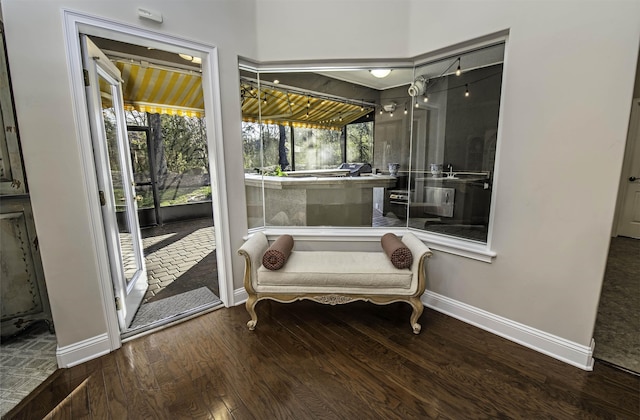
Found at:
[427, 135]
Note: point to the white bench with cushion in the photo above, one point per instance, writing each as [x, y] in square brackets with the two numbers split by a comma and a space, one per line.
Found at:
[335, 277]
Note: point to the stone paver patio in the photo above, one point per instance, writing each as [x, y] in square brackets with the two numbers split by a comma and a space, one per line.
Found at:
[180, 257]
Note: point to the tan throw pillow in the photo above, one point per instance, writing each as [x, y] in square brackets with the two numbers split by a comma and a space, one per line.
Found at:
[276, 255]
[397, 251]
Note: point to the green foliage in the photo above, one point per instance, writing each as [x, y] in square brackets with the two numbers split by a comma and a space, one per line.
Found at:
[317, 148]
[360, 142]
[187, 196]
[313, 148]
[277, 171]
[185, 143]
[257, 138]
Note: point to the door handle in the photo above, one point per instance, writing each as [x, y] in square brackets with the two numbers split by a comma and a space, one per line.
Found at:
[632, 178]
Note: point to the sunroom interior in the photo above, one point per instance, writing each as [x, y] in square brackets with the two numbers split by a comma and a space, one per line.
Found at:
[339, 146]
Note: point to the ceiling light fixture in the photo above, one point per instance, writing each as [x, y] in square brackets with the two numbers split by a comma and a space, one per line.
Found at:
[458, 71]
[195, 60]
[380, 73]
[466, 92]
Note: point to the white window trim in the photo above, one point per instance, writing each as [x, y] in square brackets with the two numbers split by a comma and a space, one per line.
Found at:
[469, 249]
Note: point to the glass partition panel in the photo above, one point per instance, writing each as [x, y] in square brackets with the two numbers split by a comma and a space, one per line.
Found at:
[311, 150]
[455, 124]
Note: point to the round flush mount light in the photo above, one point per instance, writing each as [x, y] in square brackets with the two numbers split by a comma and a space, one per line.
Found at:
[380, 73]
[195, 60]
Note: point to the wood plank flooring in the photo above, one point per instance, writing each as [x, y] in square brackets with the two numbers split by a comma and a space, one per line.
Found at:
[309, 361]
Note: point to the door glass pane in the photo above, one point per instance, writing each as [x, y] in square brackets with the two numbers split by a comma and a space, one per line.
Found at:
[141, 168]
[118, 178]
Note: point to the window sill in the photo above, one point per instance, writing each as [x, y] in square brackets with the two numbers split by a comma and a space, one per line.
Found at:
[456, 246]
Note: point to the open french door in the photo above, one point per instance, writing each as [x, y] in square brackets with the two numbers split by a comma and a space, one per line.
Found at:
[115, 181]
[629, 221]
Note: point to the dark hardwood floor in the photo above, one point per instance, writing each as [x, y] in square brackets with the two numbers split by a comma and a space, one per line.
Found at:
[309, 361]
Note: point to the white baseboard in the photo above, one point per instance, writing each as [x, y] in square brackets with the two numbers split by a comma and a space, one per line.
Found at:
[76, 353]
[240, 296]
[559, 348]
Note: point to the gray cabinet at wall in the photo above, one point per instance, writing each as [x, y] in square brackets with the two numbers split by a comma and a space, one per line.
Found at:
[11, 171]
[24, 294]
[23, 297]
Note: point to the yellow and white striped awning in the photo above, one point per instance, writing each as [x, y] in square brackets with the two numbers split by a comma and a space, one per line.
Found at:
[162, 91]
[283, 106]
[156, 89]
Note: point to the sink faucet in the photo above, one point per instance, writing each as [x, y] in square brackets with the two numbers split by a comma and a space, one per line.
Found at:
[450, 171]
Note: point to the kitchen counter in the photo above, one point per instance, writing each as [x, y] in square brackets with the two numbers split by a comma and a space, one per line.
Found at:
[313, 200]
[319, 182]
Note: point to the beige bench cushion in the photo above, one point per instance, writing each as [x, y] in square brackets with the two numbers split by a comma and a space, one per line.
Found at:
[336, 272]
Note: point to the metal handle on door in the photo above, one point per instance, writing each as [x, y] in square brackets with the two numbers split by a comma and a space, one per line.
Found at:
[632, 178]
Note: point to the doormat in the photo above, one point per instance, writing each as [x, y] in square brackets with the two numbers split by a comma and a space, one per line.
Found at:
[160, 310]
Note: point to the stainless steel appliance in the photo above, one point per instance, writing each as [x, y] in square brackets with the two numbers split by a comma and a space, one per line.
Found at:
[439, 201]
[355, 169]
[396, 202]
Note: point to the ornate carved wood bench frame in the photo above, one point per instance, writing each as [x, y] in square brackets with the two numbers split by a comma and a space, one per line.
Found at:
[253, 255]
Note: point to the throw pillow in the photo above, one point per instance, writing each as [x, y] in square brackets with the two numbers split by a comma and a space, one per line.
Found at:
[399, 254]
[276, 255]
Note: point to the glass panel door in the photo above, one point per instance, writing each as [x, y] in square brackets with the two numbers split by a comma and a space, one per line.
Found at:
[123, 194]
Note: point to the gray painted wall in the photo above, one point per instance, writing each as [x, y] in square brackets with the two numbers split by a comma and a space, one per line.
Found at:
[554, 200]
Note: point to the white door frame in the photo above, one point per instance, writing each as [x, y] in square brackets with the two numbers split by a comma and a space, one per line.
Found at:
[76, 23]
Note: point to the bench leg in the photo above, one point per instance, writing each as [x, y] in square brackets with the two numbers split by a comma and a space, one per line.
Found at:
[251, 308]
[417, 306]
